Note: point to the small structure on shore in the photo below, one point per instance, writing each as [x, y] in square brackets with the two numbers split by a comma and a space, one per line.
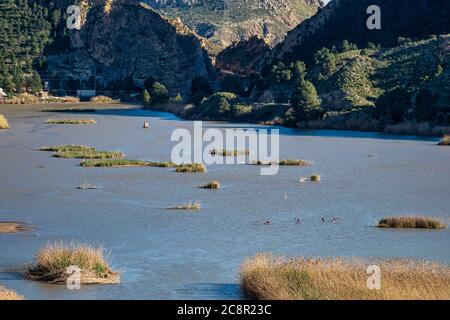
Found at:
[3, 95]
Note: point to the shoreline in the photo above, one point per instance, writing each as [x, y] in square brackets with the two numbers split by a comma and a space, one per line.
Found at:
[179, 111]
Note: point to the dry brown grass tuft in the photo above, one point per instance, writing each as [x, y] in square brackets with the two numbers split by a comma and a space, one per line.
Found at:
[13, 227]
[22, 98]
[71, 121]
[191, 168]
[103, 99]
[211, 185]
[269, 277]
[53, 260]
[3, 122]
[412, 222]
[6, 294]
[190, 206]
[88, 154]
[229, 153]
[445, 141]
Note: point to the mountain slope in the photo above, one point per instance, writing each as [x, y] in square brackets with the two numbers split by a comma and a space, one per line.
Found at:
[346, 19]
[227, 21]
[124, 43]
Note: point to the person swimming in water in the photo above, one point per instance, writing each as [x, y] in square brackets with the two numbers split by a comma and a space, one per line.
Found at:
[322, 219]
[298, 221]
[267, 222]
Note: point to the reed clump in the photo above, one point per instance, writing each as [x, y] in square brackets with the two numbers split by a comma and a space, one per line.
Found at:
[191, 168]
[211, 185]
[67, 148]
[88, 154]
[13, 227]
[9, 295]
[118, 163]
[189, 206]
[270, 277]
[412, 222]
[71, 121]
[53, 260]
[229, 153]
[3, 122]
[103, 99]
[295, 162]
[445, 141]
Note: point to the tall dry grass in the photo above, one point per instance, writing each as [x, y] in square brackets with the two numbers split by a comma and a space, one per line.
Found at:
[445, 141]
[22, 98]
[412, 222]
[52, 261]
[7, 294]
[103, 99]
[71, 121]
[3, 122]
[269, 277]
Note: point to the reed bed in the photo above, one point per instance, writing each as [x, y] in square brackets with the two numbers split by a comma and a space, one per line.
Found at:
[71, 121]
[67, 148]
[52, 261]
[119, 163]
[269, 277]
[412, 222]
[3, 122]
[22, 98]
[88, 154]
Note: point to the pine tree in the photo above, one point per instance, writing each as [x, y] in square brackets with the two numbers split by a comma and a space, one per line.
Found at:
[305, 100]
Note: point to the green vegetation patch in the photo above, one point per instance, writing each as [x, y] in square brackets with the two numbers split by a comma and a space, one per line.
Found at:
[88, 154]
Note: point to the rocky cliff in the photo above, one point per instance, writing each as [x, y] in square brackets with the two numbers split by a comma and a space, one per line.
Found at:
[126, 41]
[227, 21]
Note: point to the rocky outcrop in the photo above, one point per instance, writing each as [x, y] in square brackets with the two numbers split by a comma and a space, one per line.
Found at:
[228, 21]
[125, 40]
[241, 58]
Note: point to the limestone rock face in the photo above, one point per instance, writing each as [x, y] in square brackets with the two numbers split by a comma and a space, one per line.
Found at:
[228, 21]
[128, 41]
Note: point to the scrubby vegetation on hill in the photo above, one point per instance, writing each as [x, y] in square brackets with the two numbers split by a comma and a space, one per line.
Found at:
[347, 87]
[25, 29]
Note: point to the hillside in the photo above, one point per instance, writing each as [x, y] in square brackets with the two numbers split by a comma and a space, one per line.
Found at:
[121, 44]
[25, 30]
[346, 20]
[227, 21]
[363, 89]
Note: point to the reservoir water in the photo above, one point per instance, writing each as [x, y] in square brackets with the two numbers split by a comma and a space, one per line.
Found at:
[166, 254]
